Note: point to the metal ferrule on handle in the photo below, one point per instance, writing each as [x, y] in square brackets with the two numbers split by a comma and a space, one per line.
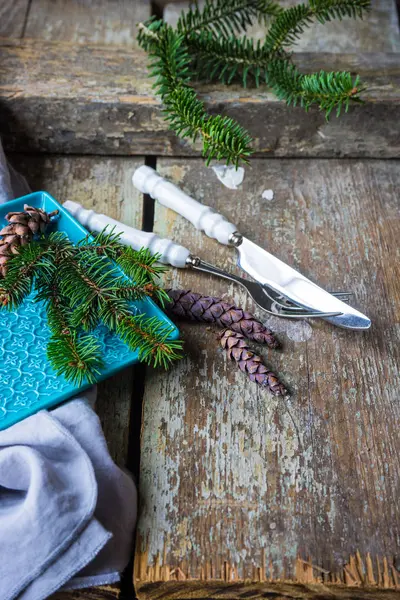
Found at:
[170, 253]
[204, 218]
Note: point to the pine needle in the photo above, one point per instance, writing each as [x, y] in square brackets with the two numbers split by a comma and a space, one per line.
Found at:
[75, 356]
[327, 90]
[22, 269]
[142, 333]
[207, 45]
[290, 24]
[81, 286]
[222, 137]
[226, 17]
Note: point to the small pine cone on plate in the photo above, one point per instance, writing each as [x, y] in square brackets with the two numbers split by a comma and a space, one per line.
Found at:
[20, 231]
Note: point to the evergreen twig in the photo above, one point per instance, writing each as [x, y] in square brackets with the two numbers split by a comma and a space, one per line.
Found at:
[81, 286]
[290, 24]
[22, 269]
[76, 357]
[206, 45]
[327, 90]
[226, 17]
[222, 137]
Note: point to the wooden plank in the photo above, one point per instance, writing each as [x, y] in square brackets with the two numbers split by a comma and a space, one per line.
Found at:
[237, 485]
[103, 184]
[12, 17]
[93, 21]
[105, 592]
[183, 590]
[377, 32]
[101, 100]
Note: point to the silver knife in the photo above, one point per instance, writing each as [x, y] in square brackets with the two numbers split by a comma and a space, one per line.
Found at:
[258, 263]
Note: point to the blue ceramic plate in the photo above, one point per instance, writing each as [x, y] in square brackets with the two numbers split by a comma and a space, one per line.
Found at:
[27, 381]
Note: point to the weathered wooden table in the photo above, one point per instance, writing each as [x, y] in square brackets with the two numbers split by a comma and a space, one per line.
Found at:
[242, 495]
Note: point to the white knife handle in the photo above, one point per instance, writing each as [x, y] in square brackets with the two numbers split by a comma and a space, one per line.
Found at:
[171, 253]
[148, 181]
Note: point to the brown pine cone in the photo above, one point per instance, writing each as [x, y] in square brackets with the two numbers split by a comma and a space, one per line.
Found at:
[250, 363]
[20, 231]
[195, 307]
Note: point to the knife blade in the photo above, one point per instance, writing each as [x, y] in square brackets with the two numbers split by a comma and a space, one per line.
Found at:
[266, 268]
[257, 262]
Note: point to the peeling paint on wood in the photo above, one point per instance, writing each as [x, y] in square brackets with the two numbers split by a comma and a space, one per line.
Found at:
[93, 21]
[295, 330]
[240, 486]
[101, 101]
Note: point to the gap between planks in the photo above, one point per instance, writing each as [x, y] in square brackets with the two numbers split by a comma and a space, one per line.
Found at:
[135, 427]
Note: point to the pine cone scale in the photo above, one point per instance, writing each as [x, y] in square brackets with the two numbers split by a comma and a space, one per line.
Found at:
[194, 307]
[250, 363]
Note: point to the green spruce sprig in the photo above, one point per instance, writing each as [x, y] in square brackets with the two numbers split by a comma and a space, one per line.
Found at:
[73, 355]
[227, 17]
[221, 137]
[329, 91]
[290, 24]
[206, 45]
[81, 287]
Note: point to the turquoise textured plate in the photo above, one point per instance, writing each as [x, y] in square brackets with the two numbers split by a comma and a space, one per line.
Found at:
[27, 381]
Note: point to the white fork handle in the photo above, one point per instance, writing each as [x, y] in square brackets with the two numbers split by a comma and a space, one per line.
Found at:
[148, 181]
[170, 253]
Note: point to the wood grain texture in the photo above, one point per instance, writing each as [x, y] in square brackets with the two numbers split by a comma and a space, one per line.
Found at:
[103, 184]
[83, 21]
[377, 32]
[105, 592]
[193, 590]
[237, 485]
[100, 101]
[12, 17]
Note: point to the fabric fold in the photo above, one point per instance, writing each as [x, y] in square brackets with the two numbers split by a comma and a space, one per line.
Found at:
[48, 495]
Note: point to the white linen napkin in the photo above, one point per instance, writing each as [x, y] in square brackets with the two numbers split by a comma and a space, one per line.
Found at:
[67, 512]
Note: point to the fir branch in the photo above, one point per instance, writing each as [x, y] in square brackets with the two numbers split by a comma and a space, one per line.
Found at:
[105, 243]
[99, 292]
[22, 269]
[138, 264]
[79, 286]
[226, 17]
[222, 137]
[290, 24]
[134, 292]
[86, 281]
[228, 59]
[147, 36]
[327, 90]
[141, 333]
[205, 45]
[76, 357]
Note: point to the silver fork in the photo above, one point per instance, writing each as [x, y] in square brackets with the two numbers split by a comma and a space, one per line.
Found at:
[288, 304]
[266, 298]
[176, 255]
